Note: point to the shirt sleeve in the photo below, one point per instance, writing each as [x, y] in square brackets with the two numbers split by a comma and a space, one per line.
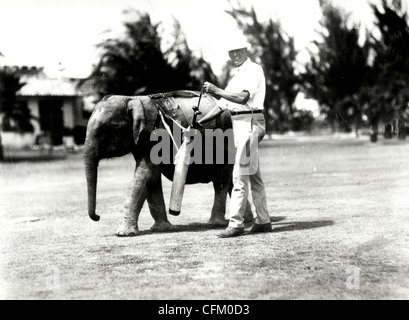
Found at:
[248, 80]
[252, 80]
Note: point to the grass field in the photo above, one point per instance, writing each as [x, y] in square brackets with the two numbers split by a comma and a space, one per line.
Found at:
[339, 209]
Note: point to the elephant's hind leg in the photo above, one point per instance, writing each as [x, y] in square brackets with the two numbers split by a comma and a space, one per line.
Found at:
[219, 204]
[157, 205]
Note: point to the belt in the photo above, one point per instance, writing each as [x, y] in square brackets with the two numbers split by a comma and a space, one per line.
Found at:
[236, 113]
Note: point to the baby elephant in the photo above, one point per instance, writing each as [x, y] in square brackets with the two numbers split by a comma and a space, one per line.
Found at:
[122, 124]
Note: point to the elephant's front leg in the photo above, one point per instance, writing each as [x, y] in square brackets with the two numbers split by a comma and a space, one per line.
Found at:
[136, 197]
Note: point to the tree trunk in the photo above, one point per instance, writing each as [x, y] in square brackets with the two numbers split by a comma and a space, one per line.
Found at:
[388, 131]
[1, 149]
[401, 128]
[332, 124]
[374, 134]
[358, 121]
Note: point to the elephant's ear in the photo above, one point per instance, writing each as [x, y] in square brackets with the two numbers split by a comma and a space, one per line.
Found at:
[138, 116]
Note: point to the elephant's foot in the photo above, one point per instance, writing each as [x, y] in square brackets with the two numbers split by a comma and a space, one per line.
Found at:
[163, 226]
[218, 222]
[126, 230]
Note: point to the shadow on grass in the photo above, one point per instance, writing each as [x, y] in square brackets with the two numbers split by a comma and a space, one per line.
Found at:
[33, 156]
[304, 225]
[12, 156]
[193, 227]
[16, 159]
[282, 227]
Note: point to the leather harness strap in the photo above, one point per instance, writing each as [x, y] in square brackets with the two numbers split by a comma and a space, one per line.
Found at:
[175, 94]
[161, 99]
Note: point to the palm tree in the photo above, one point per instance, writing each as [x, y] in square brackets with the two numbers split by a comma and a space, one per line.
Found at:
[336, 74]
[134, 62]
[390, 93]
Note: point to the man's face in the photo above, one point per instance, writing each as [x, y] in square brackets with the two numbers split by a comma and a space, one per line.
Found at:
[238, 56]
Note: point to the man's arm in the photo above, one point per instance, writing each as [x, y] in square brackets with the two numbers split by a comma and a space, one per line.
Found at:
[240, 97]
[212, 114]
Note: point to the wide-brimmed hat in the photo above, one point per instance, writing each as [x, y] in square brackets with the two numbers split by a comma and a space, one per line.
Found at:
[238, 45]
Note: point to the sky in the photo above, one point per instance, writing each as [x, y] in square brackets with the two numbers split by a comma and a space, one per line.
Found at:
[49, 32]
[55, 33]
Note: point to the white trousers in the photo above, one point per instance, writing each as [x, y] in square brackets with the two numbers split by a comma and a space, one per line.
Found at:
[248, 130]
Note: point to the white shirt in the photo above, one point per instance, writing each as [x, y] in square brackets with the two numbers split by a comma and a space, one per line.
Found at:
[249, 77]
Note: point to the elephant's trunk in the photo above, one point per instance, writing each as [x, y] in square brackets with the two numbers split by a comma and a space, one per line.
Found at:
[91, 173]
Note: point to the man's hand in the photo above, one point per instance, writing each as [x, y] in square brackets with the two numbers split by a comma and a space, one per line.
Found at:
[211, 89]
[196, 125]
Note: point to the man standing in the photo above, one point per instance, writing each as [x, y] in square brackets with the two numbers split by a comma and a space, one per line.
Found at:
[244, 99]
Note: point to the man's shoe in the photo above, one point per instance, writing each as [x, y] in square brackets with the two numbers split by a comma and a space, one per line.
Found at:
[258, 228]
[231, 232]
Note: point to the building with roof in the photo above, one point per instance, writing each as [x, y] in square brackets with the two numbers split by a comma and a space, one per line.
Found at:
[56, 103]
[60, 108]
